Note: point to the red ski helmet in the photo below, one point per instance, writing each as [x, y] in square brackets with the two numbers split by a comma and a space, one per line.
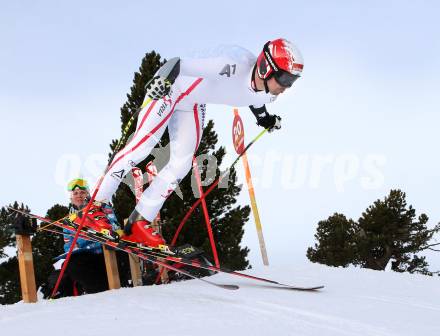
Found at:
[281, 59]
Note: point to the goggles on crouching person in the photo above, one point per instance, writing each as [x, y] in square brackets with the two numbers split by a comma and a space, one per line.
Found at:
[78, 183]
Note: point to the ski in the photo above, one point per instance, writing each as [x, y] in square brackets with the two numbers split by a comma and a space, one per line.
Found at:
[138, 253]
[147, 252]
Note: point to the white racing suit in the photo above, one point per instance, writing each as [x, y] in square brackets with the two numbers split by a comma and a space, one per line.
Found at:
[222, 79]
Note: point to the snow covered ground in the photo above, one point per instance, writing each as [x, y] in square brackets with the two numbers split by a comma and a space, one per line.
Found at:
[354, 302]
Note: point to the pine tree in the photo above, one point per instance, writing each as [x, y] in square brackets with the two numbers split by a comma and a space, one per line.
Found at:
[47, 245]
[390, 229]
[335, 242]
[9, 282]
[227, 221]
[9, 276]
[6, 230]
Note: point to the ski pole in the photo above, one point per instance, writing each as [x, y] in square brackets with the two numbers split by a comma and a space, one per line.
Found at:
[205, 213]
[222, 176]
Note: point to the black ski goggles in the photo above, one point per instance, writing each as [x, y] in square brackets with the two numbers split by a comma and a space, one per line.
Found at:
[284, 78]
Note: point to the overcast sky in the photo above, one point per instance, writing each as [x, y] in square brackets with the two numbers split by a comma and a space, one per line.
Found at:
[362, 120]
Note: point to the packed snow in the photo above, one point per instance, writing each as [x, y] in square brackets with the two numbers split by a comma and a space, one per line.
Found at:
[354, 302]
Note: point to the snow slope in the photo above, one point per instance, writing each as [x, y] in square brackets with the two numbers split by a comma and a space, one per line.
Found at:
[354, 302]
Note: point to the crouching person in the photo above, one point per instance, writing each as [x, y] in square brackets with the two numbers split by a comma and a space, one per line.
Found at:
[86, 272]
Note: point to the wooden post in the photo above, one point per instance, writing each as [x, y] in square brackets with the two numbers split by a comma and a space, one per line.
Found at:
[135, 269]
[111, 266]
[164, 275]
[26, 267]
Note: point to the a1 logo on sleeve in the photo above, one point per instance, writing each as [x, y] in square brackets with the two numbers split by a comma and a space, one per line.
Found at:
[228, 70]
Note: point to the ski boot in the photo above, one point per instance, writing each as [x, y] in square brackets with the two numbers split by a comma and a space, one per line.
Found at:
[95, 221]
[139, 233]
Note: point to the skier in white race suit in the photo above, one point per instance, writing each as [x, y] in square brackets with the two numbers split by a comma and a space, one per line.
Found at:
[234, 77]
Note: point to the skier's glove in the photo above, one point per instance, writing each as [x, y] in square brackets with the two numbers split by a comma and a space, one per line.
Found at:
[270, 121]
[157, 88]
